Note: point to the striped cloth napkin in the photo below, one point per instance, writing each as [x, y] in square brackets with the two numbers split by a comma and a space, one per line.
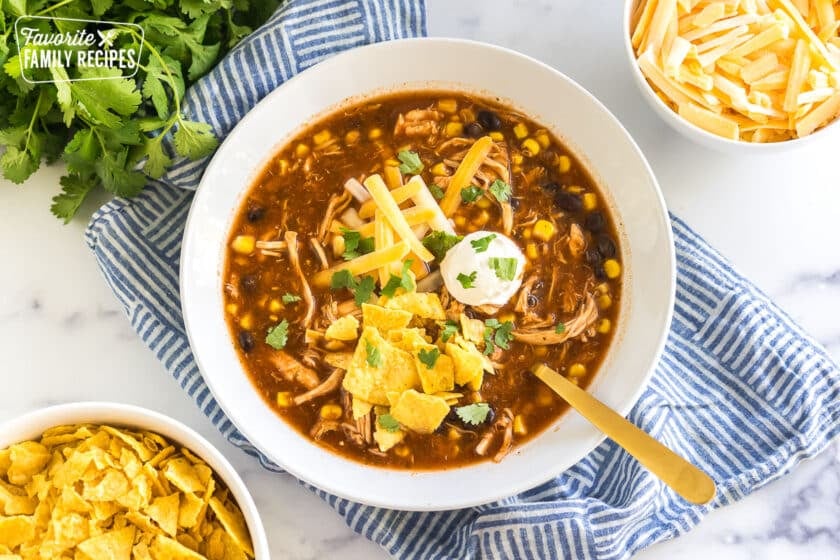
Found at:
[740, 390]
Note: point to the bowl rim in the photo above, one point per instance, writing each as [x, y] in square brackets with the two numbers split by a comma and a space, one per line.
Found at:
[690, 129]
[34, 422]
[526, 482]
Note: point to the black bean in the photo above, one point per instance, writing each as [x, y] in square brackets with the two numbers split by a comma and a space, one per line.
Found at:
[568, 201]
[246, 340]
[605, 246]
[532, 300]
[593, 257]
[474, 130]
[595, 222]
[256, 213]
[514, 203]
[552, 187]
[248, 283]
[600, 273]
[470, 312]
[489, 120]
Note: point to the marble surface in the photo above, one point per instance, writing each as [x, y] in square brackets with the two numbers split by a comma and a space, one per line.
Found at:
[63, 337]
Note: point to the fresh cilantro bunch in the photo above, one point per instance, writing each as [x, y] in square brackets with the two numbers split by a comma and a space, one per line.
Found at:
[109, 132]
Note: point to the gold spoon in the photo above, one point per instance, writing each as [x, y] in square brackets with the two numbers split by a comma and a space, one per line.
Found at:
[684, 478]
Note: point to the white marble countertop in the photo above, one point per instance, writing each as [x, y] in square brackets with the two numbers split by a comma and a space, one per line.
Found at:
[64, 338]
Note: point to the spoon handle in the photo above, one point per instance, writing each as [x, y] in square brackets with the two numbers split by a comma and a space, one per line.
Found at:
[684, 478]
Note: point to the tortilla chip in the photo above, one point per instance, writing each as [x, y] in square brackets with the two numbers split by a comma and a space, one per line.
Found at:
[5, 461]
[423, 304]
[439, 378]
[409, 339]
[344, 328]
[164, 511]
[169, 549]
[14, 501]
[360, 407]
[113, 485]
[181, 473]
[419, 412]
[142, 451]
[384, 319]
[26, 459]
[340, 360]
[469, 370]
[234, 524]
[385, 439]
[16, 529]
[190, 510]
[395, 372]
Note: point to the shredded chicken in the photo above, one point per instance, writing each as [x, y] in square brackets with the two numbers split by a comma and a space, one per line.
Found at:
[487, 309]
[353, 434]
[292, 370]
[358, 190]
[338, 202]
[577, 242]
[319, 252]
[587, 315]
[330, 384]
[504, 424]
[294, 258]
[431, 282]
[322, 427]
[452, 307]
[364, 426]
[418, 123]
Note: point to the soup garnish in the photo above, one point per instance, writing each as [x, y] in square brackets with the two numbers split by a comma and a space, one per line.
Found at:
[396, 269]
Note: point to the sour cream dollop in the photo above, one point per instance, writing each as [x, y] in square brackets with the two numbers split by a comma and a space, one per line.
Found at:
[482, 271]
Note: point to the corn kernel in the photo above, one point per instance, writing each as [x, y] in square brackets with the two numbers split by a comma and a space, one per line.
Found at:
[375, 133]
[247, 322]
[284, 399]
[531, 147]
[460, 221]
[526, 233]
[531, 251]
[602, 288]
[590, 201]
[274, 306]
[440, 170]
[301, 150]
[482, 218]
[244, 244]
[283, 166]
[352, 137]
[543, 139]
[447, 105]
[338, 245]
[564, 164]
[612, 268]
[496, 136]
[321, 138]
[544, 396]
[483, 203]
[516, 169]
[604, 326]
[520, 131]
[509, 316]
[574, 189]
[402, 451]
[331, 411]
[543, 230]
[232, 308]
[604, 302]
[453, 129]
[453, 434]
[519, 425]
[540, 351]
[333, 345]
[577, 370]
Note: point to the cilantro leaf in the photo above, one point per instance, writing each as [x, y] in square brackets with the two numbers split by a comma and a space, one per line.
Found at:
[388, 423]
[437, 192]
[473, 414]
[374, 357]
[560, 328]
[342, 279]
[116, 178]
[410, 162]
[402, 281]
[67, 203]
[165, 71]
[482, 244]
[104, 97]
[439, 242]
[17, 164]
[500, 190]
[471, 193]
[450, 329]
[429, 358]
[355, 244]
[278, 336]
[364, 290]
[467, 280]
[504, 267]
[497, 334]
[288, 298]
[194, 139]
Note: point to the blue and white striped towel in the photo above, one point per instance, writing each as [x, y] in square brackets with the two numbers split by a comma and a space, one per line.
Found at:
[741, 391]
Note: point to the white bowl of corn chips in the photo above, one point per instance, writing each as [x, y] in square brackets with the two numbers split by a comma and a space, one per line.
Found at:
[107, 480]
[754, 75]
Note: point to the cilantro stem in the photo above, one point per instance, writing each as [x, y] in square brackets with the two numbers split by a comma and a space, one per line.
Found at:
[32, 120]
[54, 7]
[154, 51]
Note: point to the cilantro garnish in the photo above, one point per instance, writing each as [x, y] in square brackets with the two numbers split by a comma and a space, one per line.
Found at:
[497, 334]
[362, 289]
[439, 242]
[437, 192]
[374, 358]
[429, 358]
[388, 423]
[471, 193]
[500, 190]
[410, 162]
[355, 244]
[402, 281]
[467, 280]
[473, 414]
[288, 298]
[504, 267]
[560, 328]
[277, 336]
[450, 329]
[482, 244]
